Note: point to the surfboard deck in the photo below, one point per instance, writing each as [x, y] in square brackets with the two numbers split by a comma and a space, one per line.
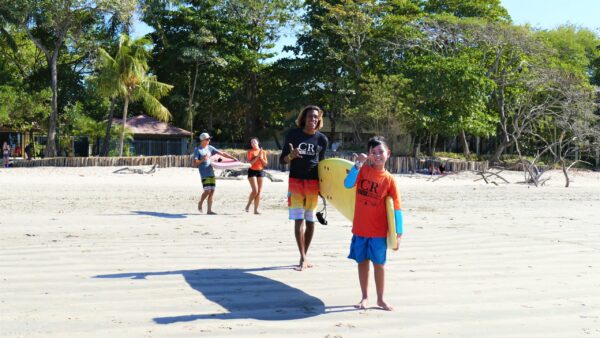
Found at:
[220, 162]
[332, 172]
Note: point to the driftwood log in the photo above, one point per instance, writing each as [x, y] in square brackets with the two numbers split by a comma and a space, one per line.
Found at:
[128, 170]
[489, 176]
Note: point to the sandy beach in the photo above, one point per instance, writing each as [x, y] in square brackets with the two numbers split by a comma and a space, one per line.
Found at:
[88, 253]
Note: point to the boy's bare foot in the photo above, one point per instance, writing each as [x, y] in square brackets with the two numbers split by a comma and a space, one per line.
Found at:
[256, 212]
[199, 207]
[211, 213]
[385, 306]
[362, 304]
[246, 209]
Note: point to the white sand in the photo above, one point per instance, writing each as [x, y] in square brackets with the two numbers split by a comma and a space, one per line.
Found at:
[88, 253]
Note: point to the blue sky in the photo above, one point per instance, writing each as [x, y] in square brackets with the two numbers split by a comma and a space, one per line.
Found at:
[551, 13]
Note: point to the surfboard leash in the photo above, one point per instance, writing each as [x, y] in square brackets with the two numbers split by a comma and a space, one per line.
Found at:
[322, 215]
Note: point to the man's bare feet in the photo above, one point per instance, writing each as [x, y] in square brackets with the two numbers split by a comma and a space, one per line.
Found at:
[304, 264]
[211, 213]
[362, 304]
[385, 306]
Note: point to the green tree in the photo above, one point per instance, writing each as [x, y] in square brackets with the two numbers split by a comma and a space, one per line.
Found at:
[51, 24]
[128, 74]
[337, 51]
[576, 49]
[24, 107]
[255, 26]
[388, 106]
[188, 53]
[512, 57]
[491, 10]
[452, 97]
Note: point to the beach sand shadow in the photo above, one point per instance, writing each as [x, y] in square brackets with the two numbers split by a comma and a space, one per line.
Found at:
[243, 294]
[158, 214]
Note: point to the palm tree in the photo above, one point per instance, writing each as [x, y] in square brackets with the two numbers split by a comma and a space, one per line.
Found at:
[126, 76]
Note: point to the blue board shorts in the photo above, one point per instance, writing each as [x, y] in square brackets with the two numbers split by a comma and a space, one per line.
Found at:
[371, 248]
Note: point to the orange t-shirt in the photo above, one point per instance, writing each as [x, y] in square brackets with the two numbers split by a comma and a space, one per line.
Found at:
[258, 165]
[370, 216]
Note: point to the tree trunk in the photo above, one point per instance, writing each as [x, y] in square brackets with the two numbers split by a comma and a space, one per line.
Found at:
[252, 113]
[276, 139]
[192, 93]
[51, 141]
[333, 127]
[565, 172]
[122, 137]
[431, 142]
[416, 145]
[52, 60]
[465, 144]
[500, 149]
[106, 141]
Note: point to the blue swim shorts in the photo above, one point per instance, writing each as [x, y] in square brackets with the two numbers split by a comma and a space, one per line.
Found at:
[371, 248]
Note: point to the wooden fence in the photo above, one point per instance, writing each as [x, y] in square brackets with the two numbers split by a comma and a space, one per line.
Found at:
[396, 164]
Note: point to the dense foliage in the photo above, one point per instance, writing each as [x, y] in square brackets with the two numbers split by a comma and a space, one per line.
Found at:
[433, 75]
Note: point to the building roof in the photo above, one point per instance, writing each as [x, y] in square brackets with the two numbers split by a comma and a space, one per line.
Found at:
[146, 125]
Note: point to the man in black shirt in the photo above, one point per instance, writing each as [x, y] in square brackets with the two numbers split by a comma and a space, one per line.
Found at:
[303, 148]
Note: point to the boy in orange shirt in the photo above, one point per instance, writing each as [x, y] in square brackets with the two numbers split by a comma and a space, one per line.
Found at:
[369, 227]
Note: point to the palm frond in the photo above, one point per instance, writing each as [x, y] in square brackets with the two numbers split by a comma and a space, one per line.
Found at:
[156, 88]
[152, 105]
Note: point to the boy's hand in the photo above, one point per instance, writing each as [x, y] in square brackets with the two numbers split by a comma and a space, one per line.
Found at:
[294, 152]
[362, 158]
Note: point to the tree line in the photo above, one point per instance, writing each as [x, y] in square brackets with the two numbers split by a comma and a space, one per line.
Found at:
[431, 69]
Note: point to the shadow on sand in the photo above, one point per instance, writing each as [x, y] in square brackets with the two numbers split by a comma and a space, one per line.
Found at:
[158, 214]
[243, 294]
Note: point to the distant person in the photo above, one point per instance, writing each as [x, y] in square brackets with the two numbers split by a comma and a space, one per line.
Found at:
[29, 151]
[303, 148]
[5, 154]
[202, 155]
[433, 170]
[369, 226]
[257, 158]
[17, 151]
[442, 169]
[335, 145]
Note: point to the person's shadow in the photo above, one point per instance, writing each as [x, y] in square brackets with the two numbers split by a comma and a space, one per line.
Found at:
[242, 293]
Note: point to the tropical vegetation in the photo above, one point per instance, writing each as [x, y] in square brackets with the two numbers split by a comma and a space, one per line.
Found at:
[452, 75]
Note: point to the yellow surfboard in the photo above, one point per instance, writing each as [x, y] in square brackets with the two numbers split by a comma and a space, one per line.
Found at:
[332, 172]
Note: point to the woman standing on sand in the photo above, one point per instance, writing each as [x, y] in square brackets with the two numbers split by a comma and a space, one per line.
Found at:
[257, 158]
[5, 154]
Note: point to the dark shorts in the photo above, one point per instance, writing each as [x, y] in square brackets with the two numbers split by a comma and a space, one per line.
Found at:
[209, 183]
[256, 173]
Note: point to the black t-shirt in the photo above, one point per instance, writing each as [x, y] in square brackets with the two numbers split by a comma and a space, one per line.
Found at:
[312, 149]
